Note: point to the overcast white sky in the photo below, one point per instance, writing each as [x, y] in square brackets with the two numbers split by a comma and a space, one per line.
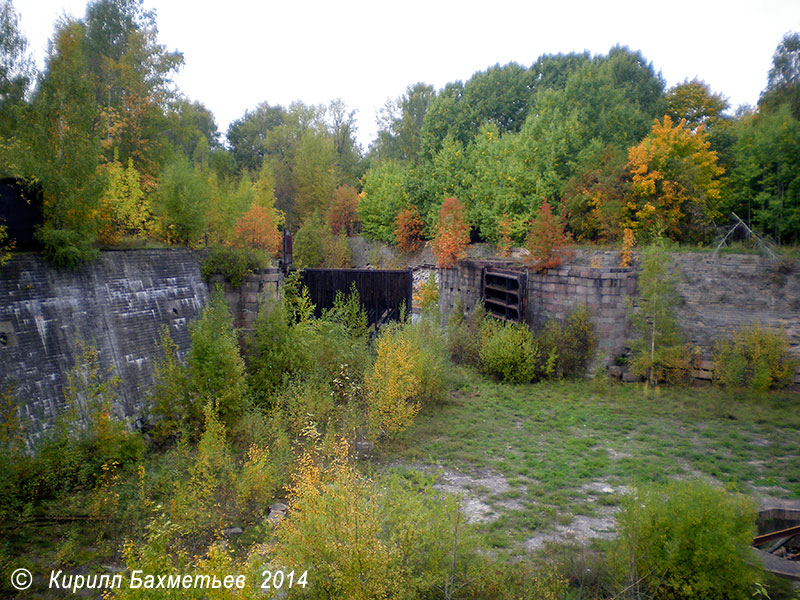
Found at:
[239, 53]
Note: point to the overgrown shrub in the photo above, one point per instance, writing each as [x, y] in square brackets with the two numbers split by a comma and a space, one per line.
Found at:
[510, 352]
[66, 248]
[393, 385]
[171, 406]
[464, 335]
[214, 372]
[687, 540]
[234, 264]
[348, 312]
[429, 342]
[215, 367]
[289, 343]
[427, 298]
[757, 358]
[410, 370]
[670, 364]
[393, 538]
[572, 342]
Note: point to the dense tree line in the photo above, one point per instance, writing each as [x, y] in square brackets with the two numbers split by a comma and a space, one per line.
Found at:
[121, 154]
[598, 137]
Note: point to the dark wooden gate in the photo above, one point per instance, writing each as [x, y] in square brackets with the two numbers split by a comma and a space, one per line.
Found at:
[504, 293]
[382, 292]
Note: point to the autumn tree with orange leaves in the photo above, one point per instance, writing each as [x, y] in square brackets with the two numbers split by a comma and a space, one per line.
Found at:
[408, 230]
[547, 241]
[675, 182]
[343, 211]
[258, 228]
[452, 234]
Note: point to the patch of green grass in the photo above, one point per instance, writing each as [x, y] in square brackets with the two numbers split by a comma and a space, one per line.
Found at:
[550, 439]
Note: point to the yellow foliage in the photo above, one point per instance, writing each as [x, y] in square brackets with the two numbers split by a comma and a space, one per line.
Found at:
[334, 528]
[427, 298]
[393, 385]
[628, 242]
[123, 207]
[675, 181]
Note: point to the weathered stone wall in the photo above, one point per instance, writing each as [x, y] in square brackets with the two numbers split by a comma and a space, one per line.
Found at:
[244, 301]
[603, 290]
[117, 304]
[717, 295]
[460, 284]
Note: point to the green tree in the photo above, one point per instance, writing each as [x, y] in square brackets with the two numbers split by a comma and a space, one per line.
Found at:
[553, 70]
[315, 176]
[654, 320]
[182, 202]
[783, 81]
[16, 69]
[384, 195]
[694, 102]
[188, 123]
[341, 124]
[132, 74]
[248, 134]
[215, 366]
[765, 177]
[496, 186]
[61, 149]
[400, 124]
[434, 180]
[501, 95]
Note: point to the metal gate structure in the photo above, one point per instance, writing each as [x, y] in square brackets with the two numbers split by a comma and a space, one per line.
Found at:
[504, 293]
[382, 293]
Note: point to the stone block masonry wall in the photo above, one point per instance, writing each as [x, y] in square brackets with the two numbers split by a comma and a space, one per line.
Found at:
[718, 295]
[603, 290]
[118, 304]
[461, 283]
[244, 301]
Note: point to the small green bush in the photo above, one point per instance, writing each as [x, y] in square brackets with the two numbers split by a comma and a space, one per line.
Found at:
[464, 335]
[215, 366]
[234, 264]
[573, 342]
[67, 249]
[671, 365]
[757, 358]
[687, 540]
[509, 352]
[428, 340]
[349, 312]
